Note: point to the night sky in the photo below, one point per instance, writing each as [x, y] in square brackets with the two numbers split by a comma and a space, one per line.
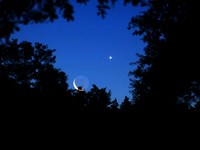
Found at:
[98, 49]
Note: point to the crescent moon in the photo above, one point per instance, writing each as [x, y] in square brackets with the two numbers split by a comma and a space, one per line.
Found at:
[75, 86]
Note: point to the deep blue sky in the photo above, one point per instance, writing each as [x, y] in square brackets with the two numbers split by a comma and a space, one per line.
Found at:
[83, 46]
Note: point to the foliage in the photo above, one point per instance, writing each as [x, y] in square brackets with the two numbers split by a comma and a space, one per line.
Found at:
[98, 99]
[168, 71]
[114, 106]
[24, 12]
[31, 67]
[126, 105]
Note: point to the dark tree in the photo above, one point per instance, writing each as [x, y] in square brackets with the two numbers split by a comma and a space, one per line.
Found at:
[79, 100]
[126, 105]
[114, 106]
[51, 82]
[98, 99]
[29, 69]
[13, 13]
[197, 106]
[168, 72]
[16, 12]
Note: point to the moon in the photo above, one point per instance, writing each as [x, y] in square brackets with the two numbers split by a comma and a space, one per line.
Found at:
[75, 86]
[81, 83]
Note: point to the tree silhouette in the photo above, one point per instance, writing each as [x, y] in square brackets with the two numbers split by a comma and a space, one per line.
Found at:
[28, 69]
[79, 100]
[126, 105]
[14, 13]
[197, 107]
[168, 71]
[98, 99]
[51, 82]
[114, 106]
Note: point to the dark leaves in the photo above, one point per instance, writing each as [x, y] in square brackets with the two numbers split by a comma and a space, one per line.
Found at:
[136, 2]
[82, 1]
[161, 76]
[102, 7]
[68, 12]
